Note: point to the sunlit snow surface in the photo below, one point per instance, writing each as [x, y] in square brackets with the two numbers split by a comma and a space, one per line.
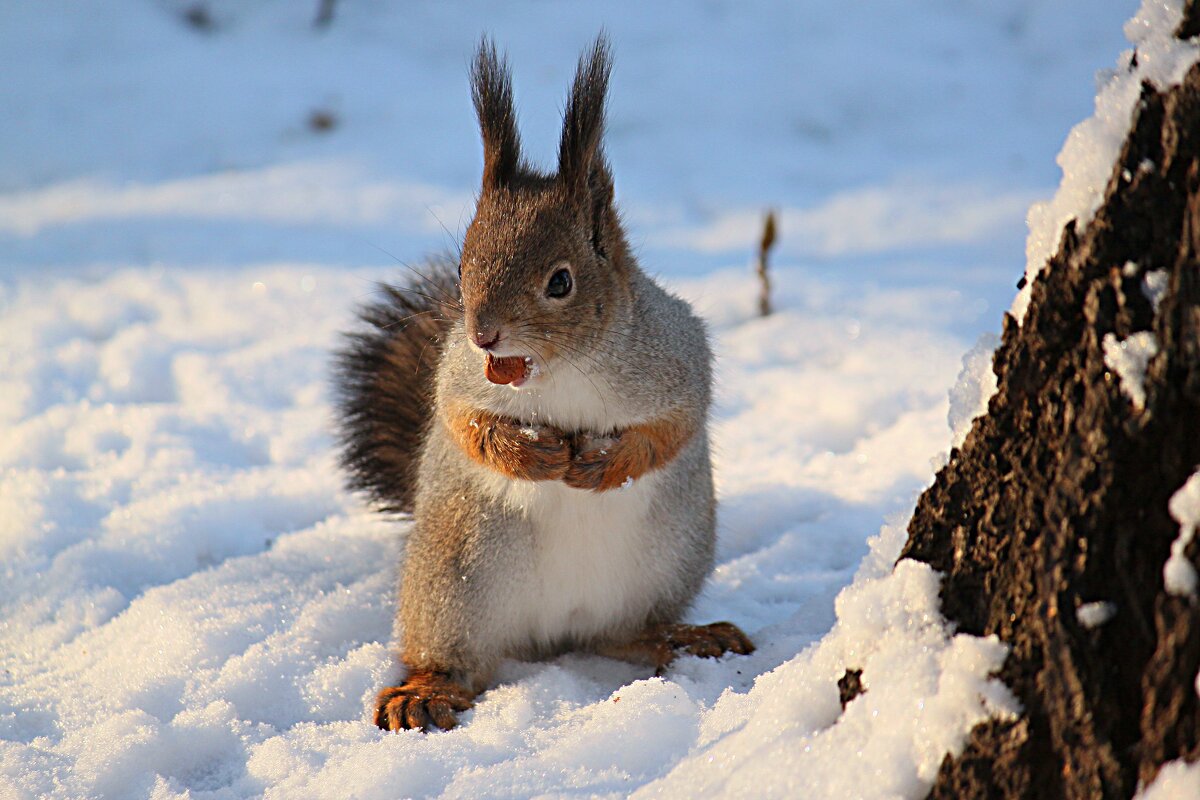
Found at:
[190, 605]
[178, 553]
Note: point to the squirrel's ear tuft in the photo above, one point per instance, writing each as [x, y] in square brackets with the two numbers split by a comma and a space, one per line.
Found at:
[491, 89]
[583, 120]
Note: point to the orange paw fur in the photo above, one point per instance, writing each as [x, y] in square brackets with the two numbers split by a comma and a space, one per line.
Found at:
[626, 456]
[527, 452]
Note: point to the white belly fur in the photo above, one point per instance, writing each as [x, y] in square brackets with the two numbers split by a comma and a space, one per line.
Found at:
[588, 569]
[589, 572]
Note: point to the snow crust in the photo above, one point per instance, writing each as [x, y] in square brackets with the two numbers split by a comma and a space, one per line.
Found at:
[1129, 358]
[1092, 147]
[190, 606]
[1178, 573]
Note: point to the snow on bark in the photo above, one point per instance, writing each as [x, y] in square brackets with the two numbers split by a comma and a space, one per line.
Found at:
[1157, 58]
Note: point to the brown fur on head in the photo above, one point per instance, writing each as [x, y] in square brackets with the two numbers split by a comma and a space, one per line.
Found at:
[528, 226]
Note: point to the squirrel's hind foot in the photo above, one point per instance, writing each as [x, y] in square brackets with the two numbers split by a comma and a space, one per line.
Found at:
[427, 699]
[659, 645]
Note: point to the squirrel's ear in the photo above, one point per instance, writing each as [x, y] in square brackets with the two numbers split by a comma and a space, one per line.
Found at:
[579, 153]
[491, 89]
[599, 200]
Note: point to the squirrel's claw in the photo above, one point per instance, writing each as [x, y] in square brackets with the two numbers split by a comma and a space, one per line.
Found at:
[707, 641]
[729, 638]
[659, 645]
[442, 714]
[426, 700]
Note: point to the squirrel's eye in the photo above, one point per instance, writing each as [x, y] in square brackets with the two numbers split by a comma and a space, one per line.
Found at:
[460, 272]
[559, 284]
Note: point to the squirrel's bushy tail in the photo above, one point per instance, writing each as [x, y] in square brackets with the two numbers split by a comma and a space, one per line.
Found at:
[384, 384]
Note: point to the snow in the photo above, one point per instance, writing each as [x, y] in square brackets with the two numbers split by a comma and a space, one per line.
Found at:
[1178, 573]
[1095, 614]
[1091, 150]
[925, 689]
[974, 387]
[862, 221]
[1177, 780]
[190, 604]
[1129, 358]
[1154, 286]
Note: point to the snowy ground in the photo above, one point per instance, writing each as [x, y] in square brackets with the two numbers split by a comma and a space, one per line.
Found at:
[190, 604]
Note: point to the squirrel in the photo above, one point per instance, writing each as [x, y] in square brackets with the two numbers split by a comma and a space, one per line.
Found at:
[542, 414]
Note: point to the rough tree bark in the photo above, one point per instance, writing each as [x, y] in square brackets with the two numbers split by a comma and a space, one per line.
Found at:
[1058, 496]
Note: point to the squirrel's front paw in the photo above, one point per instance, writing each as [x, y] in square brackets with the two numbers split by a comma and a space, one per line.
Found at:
[593, 465]
[532, 452]
[527, 452]
[604, 463]
[425, 699]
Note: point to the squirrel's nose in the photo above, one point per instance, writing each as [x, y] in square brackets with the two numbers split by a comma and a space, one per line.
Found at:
[488, 338]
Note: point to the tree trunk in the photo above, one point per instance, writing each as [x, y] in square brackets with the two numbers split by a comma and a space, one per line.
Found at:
[1058, 496]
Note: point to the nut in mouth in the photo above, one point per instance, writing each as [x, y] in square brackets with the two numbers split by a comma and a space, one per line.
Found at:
[511, 370]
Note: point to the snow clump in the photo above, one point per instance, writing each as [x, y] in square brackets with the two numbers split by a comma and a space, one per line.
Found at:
[1154, 286]
[1178, 573]
[974, 387]
[1093, 615]
[1129, 359]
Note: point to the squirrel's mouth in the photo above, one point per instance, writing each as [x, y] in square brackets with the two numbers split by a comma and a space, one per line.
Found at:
[510, 370]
